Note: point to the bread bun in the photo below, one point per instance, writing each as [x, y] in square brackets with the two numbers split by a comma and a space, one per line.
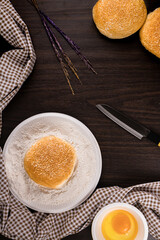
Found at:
[119, 18]
[50, 162]
[150, 33]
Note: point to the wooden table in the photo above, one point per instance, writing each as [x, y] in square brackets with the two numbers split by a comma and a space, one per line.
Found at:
[128, 79]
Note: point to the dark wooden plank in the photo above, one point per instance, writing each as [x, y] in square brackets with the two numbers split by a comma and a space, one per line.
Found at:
[128, 79]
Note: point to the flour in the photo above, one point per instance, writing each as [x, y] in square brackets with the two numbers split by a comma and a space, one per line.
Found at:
[27, 189]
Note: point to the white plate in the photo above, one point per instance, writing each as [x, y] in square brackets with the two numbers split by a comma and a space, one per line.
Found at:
[86, 132]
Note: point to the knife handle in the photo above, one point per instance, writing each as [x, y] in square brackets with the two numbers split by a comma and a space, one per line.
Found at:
[154, 137]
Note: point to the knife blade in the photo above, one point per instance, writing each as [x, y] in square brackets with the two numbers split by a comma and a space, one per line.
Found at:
[127, 123]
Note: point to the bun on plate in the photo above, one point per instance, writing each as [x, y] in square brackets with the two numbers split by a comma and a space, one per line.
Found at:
[50, 162]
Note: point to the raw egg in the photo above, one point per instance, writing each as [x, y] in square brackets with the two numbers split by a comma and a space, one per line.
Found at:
[119, 225]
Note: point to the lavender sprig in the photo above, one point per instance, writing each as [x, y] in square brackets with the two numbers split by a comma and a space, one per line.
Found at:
[67, 59]
[59, 30]
[60, 54]
[58, 48]
[71, 43]
[63, 65]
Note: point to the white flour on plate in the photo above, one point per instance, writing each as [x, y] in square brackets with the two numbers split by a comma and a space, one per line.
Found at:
[26, 188]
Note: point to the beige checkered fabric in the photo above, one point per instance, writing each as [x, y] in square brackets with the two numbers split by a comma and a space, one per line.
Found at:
[16, 220]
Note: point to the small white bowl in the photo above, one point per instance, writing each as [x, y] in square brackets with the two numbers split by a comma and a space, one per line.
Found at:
[51, 117]
[97, 222]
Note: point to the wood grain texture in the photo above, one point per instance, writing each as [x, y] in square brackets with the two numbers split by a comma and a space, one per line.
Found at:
[128, 79]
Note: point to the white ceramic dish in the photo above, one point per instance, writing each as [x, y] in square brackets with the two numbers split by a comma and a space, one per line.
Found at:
[97, 153]
[97, 222]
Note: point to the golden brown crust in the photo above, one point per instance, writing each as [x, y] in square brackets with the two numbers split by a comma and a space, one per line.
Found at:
[50, 161]
[150, 33]
[119, 18]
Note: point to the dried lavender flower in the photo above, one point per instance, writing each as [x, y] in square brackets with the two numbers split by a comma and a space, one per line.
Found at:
[58, 48]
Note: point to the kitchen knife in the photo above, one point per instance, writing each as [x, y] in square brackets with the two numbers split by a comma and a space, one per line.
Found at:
[129, 124]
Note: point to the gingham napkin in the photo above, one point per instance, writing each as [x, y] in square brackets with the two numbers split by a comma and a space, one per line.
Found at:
[16, 220]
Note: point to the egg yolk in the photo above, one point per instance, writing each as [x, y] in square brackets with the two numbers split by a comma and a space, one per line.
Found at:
[119, 225]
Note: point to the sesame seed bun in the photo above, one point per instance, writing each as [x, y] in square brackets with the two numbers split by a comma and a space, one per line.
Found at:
[50, 162]
[150, 33]
[119, 18]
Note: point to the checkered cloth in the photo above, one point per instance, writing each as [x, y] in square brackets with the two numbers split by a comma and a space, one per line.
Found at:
[16, 220]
